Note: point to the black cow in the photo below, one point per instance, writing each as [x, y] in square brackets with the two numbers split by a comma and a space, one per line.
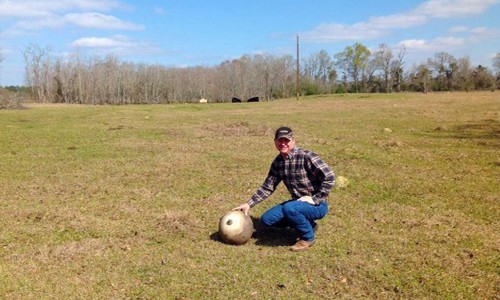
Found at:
[253, 99]
[235, 100]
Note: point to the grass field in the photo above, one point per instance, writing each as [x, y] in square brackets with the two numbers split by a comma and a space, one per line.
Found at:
[123, 202]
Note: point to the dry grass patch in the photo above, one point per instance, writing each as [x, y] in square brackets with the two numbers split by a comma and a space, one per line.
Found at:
[234, 130]
[123, 202]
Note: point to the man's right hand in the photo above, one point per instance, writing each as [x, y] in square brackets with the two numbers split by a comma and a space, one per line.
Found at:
[245, 208]
[307, 199]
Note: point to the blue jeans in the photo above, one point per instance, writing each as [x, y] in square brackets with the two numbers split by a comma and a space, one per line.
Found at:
[296, 214]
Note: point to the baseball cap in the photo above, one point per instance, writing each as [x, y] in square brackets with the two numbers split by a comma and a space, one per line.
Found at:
[283, 132]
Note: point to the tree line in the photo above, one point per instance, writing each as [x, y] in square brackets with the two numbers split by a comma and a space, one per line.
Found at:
[107, 80]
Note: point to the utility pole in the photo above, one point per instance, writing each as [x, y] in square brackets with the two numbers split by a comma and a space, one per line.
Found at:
[297, 83]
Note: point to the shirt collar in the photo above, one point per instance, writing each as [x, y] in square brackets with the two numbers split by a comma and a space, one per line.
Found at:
[292, 153]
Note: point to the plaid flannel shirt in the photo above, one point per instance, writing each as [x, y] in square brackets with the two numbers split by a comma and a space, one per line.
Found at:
[303, 172]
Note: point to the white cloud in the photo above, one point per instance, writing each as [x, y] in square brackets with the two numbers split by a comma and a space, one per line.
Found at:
[119, 45]
[437, 44]
[374, 28]
[5, 52]
[379, 26]
[36, 8]
[454, 8]
[482, 33]
[19, 9]
[396, 21]
[414, 44]
[50, 21]
[447, 42]
[83, 20]
[98, 5]
[33, 15]
[336, 32]
[478, 33]
[95, 42]
[457, 29]
[159, 11]
[99, 21]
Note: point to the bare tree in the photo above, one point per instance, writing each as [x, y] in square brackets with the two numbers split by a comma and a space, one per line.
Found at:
[496, 63]
[100, 80]
[2, 57]
[371, 82]
[282, 76]
[420, 78]
[397, 69]
[353, 60]
[483, 79]
[443, 66]
[319, 69]
[383, 59]
[37, 74]
[463, 75]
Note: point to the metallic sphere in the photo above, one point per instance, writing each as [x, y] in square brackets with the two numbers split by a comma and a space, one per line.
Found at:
[235, 227]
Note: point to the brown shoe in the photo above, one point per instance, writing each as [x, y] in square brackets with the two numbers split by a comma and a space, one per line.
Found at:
[302, 245]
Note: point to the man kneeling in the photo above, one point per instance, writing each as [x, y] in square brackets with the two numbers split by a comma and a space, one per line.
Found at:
[308, 179]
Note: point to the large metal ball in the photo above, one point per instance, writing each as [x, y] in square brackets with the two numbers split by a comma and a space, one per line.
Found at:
[235, 227]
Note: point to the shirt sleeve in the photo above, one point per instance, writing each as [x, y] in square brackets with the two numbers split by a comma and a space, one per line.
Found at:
[326, 176]
[267, 188]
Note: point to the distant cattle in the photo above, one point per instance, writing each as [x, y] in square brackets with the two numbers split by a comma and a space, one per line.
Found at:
[235, 100]
[203, 100]
[253, 99]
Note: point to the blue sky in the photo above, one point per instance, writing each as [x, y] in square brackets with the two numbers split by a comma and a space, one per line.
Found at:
[191, 33]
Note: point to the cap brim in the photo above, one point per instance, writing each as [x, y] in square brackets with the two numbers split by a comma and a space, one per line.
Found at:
[288, 137]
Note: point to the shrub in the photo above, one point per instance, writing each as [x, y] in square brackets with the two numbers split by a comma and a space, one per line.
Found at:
[9, 100]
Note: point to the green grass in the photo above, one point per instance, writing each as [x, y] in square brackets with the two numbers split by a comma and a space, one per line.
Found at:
[123, 202]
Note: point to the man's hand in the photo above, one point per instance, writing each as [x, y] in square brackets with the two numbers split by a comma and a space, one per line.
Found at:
[245, 208]
[307, 199]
